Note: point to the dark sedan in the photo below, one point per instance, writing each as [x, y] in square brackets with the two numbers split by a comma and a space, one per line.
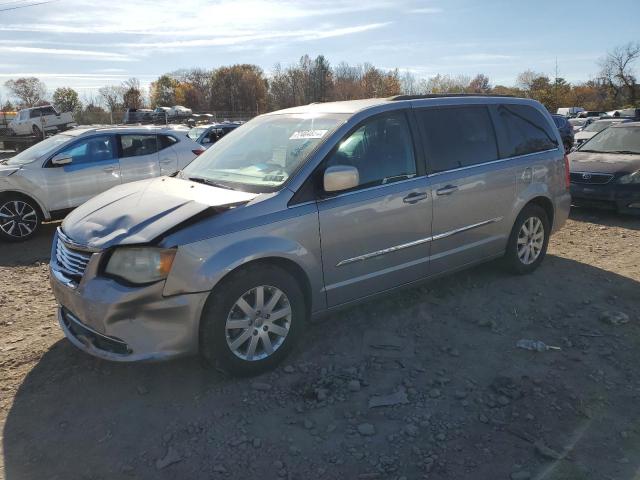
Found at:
[605, 170]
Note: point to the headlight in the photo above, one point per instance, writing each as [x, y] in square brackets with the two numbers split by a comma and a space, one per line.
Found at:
[631, 178]
[141, 264]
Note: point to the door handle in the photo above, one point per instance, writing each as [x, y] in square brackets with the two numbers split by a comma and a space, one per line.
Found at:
[109, 169]
[448, 190]
[415, 197]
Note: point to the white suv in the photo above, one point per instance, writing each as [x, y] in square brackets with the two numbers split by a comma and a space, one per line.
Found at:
[56, 175]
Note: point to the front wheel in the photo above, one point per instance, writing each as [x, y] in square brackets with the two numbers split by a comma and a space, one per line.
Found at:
[36, 131]
[252, 320]
[19, 218]
[528, 240]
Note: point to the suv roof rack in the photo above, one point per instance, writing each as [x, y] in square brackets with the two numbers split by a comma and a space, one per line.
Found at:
[445, 95]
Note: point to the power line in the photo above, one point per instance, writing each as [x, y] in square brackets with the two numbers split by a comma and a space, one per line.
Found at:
[25, 6]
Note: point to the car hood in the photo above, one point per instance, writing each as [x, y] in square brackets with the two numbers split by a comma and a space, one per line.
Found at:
[140, 212]
[584, 135]
[603, 162]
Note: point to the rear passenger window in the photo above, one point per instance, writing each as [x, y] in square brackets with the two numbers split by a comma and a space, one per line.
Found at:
[138, 145]
[522, 130]
[457, 137]
[381, 149]
[166, 141]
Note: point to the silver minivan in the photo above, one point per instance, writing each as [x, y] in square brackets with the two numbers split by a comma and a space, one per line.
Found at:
[302, 211]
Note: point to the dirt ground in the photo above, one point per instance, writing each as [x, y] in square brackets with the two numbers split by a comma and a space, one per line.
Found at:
[467, 404]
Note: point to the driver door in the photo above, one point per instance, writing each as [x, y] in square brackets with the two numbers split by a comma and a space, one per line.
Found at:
[93, 169]
[376, 236]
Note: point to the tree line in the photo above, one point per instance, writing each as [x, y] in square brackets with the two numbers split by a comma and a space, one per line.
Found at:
[245, 88]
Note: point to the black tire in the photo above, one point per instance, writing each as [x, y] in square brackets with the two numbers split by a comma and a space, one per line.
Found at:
[26, 219]
[36, 131]
[214, 345]
[512, 257]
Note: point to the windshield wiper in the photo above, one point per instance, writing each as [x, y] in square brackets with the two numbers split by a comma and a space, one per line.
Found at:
[628, 152]
[211, 183]
[591, 151]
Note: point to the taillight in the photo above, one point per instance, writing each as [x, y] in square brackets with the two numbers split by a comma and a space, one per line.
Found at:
[567, 176]
[197, 152]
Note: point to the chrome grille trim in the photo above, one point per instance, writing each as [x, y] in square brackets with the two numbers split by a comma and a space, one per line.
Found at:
[71, 262]
[591, 178]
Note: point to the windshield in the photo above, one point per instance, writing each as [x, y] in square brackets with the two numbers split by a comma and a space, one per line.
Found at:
[263, 153]
[615, 140]
[577, 122]
[39, 149]
[599, 126]
[195, 132]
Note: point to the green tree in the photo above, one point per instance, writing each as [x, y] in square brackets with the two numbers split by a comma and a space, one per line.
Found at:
[163, 91]
[30, 91]
[66, 99]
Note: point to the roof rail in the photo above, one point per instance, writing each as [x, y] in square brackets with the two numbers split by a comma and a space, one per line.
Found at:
[445, 95]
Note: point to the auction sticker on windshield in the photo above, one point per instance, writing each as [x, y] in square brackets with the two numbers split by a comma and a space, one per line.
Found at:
[308, 134]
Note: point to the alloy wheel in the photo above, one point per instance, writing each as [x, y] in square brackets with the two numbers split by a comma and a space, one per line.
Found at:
[18, 219]
[258, 323]
[530, 240]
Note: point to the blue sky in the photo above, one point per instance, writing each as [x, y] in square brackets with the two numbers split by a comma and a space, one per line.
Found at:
[89, 43]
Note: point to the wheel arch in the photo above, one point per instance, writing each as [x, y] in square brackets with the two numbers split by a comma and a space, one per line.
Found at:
[286, 264]
[546, 204]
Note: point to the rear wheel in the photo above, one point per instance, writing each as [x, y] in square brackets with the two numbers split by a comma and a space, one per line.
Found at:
[19, 218]
[252, 320]
[528, 240]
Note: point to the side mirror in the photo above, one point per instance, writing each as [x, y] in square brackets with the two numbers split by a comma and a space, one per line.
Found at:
[340, 177]
[61, 159]
[205, 140]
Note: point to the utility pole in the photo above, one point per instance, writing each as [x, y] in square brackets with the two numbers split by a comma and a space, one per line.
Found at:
[556, 84]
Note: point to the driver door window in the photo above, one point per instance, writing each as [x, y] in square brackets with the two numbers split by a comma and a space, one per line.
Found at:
[381, 150]
[95, 149]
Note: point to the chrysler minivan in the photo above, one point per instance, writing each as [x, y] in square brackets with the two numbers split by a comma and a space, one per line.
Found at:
[303, 211]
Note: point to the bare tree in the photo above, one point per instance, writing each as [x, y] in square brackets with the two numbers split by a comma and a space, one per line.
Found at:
[617, 71]
[112, 95]
[409, 84]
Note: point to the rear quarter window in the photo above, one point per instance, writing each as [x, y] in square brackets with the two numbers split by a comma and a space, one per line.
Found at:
[522, 130]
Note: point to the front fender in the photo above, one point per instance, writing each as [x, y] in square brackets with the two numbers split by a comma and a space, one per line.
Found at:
[200, 266]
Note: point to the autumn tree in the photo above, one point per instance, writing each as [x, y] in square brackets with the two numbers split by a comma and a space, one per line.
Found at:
[132, 94]
[162, 91]
[479, 84]
[239, 88]
[66, 99]
[30, 91]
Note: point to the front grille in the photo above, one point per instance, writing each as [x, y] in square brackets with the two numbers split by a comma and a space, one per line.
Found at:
[591, 178]
[70, 261]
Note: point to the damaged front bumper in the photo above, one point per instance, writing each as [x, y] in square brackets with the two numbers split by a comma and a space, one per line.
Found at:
[121, 323]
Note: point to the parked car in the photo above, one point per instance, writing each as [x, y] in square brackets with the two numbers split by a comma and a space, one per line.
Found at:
[302, 211]
[629, 113]
[569, 111]
[179, 111]
[605, 171]
[207, 135]
[160, 114]
[138, 115]
[591, 113]
[578, 123]
[590, 130]
[566, 130]
[39, 120]
[46, 181]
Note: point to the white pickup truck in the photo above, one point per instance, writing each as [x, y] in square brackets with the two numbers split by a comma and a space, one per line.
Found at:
[39, 120]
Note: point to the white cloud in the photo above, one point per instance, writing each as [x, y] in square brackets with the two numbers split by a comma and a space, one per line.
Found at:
[241, 38]
[479, 57]
[426, 10]
[114, 57]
